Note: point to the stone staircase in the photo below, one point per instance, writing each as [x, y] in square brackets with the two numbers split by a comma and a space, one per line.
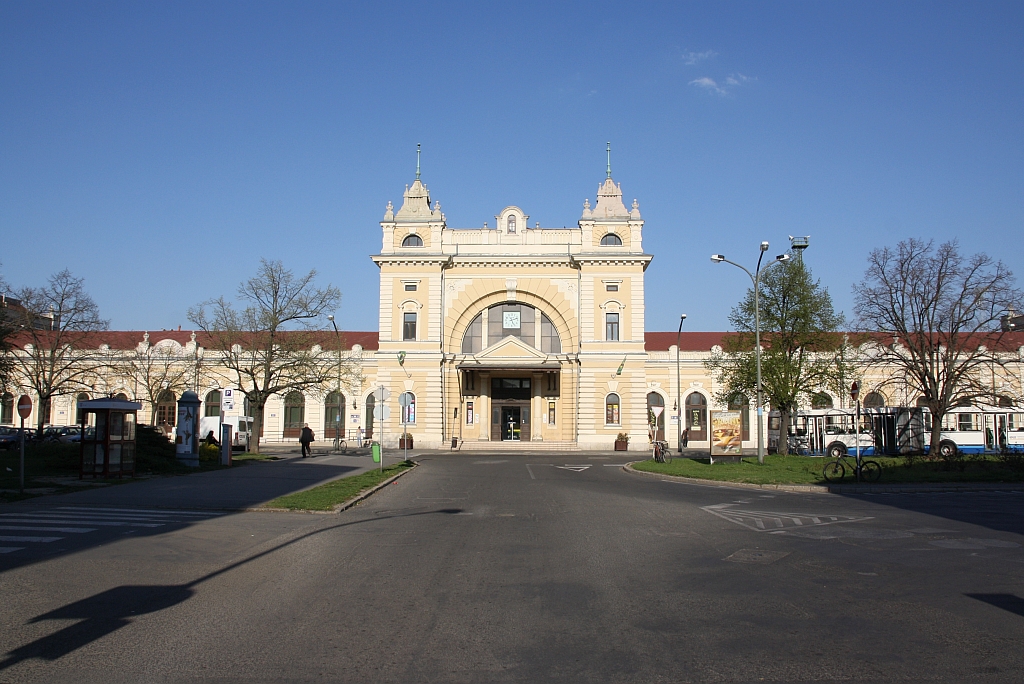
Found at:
[518, 447]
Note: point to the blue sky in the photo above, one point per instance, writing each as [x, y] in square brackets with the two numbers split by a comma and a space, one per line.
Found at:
[160, 149]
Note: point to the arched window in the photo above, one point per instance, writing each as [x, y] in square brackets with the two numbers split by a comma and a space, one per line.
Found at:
[334, 415]
[211, 409]
[922, 402]
[874, 400]
[166, 410]
[511, 320]
[409, 410]
[294, 414]
[821, 400]
[739, 402]
[611, 409]
[549, 342]
[412, 241]
[511, 224]
[121, 396]
[611, 240]
[696, 417]
[1005, 402]
[368, 405]
[655, 399]
[7, 408]
[79, 413]
[472, 341]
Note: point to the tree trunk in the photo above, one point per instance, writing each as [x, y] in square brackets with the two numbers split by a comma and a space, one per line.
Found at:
[936, 436]
[784, 418]
[257, 427]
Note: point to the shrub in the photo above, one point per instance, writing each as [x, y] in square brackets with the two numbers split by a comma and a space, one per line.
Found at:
[209, 452]
[622, 437]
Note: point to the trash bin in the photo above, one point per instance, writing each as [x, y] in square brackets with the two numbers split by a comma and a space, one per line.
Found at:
[375, 450]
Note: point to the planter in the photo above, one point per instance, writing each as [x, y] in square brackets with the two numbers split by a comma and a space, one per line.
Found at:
[405, 443]
[621, 446]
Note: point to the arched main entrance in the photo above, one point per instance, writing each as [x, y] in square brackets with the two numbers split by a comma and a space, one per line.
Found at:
[696, 417]
[334, 415]
[166, 411]
[294, 414]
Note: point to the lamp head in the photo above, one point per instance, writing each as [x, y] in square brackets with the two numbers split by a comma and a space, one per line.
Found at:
[682, 317]
[718, 258]
[330, 317]
[764, 246]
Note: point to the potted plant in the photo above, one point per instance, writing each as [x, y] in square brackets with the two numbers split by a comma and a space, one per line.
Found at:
[405, 441]
[622, 441]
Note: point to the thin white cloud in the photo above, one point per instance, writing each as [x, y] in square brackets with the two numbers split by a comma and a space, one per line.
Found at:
[691, 58]
[731, 81]
[708, 84]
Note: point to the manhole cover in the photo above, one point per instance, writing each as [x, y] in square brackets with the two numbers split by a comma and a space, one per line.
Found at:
[756, 556]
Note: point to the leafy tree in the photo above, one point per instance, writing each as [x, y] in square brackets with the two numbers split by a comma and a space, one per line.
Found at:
[802, 350]
[939, 312]
[269, 344]
[53, 324]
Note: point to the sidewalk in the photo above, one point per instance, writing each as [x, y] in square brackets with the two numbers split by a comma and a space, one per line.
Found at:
[243, 486]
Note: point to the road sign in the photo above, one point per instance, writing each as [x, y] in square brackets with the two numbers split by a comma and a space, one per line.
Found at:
[854, 391]
[24, 406]
[657, 410]
[381, 412]
[229, 400]
[404, 399]
[382, 393]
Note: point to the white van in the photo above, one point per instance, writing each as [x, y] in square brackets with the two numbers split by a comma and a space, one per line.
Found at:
[241, 429]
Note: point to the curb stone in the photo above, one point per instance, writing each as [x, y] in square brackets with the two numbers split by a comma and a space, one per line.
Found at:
[908, 488]
[337, 508]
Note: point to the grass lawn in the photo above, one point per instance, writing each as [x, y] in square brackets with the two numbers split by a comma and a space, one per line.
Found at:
[249, 457]
[327, 496]
[808, 470]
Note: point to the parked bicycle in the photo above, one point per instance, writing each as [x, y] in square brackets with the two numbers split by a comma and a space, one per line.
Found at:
[340, 445]
[662, 454]
[835, 470]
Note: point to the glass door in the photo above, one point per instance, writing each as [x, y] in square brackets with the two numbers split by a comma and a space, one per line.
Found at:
[511, 423]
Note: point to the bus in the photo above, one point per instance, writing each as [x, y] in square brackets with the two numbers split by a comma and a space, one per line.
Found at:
[897, 430]
[888, 431]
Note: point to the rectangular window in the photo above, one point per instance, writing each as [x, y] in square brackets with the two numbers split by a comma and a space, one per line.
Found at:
[409, 411]
[410, 287]
[409, 326]
[611, 413]
[551, 413]
[552, 384]
[611, 326]
[611, 287]
[469, 413]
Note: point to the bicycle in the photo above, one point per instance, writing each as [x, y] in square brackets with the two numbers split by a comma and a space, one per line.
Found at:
[835, 471]
[662, 454]
[340, 445]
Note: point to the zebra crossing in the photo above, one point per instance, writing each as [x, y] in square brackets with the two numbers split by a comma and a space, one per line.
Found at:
[20, 529]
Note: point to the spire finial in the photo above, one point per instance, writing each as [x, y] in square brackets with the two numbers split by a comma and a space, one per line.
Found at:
[609, 160]
[418, 161]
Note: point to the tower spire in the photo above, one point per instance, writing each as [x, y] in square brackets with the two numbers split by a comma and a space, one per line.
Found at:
[609, 149]
[418, 161]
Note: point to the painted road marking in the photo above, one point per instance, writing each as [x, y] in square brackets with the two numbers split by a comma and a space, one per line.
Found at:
[70, 530]
[43, 540]
[574, 468]
[765, 521]
[9, 549]
[532, 476]
[90, 509]
[84, 520]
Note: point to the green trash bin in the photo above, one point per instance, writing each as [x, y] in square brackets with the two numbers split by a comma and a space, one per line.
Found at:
[375, 450]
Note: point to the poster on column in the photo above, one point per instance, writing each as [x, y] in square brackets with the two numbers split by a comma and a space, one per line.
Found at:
[726, 434]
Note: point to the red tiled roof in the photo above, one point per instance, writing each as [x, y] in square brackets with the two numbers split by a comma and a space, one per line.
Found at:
[129, 339]
[688, 341]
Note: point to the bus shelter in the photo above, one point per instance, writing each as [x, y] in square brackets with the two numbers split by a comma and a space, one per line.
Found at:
[108, 437]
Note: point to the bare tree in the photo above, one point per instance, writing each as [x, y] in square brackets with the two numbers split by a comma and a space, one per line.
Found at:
[270, 345]
[154, 369]
[940, 313]
[53, 324]
[7, 329]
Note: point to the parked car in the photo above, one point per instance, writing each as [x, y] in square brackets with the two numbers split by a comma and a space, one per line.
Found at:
[8, 437]
[62, 433]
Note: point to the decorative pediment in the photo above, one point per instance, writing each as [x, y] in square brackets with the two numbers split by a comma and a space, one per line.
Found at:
[512, 348]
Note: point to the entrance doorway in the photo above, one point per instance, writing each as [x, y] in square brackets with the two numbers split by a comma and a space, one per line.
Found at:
[511, 423]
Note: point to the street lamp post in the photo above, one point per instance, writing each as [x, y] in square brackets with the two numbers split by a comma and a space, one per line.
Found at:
[679, 391]
[755, 278]
[339, 420]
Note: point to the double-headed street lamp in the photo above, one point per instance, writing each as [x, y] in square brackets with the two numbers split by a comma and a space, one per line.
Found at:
[755, 278]
[339, 421]
[679, 403]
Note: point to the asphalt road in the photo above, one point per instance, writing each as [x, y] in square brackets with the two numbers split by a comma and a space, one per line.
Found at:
[555, 567]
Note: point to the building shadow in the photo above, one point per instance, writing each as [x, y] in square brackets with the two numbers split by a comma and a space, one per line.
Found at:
[999, 511]
[110, 610]
[1008, 602]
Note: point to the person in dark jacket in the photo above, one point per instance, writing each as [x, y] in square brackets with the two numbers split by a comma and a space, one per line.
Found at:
[305, 438]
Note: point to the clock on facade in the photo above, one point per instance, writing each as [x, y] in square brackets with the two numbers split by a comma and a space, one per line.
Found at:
[510, 320]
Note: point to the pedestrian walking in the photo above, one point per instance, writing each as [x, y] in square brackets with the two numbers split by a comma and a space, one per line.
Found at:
[686, 437]
[305, 438]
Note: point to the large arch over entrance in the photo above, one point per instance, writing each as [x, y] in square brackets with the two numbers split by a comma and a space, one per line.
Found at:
[655, 399]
